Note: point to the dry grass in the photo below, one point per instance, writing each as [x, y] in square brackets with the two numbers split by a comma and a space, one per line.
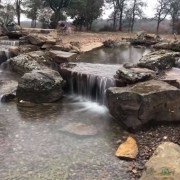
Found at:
[89, 37]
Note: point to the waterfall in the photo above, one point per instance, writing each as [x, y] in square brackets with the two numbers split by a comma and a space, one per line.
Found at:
[91, 87]
[4, 49]
[9, 43]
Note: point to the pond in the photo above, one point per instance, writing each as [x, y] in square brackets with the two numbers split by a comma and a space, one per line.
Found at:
[114, 55]
[34, 146]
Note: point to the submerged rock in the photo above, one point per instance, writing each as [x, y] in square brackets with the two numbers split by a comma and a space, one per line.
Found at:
[80, 129]
[159, 60]
[26, 104]
[172, 77]
[7, 97]
[164, 164]
[128, 150]
[149, 101]
[8, 87]
[8, 91]
[40, 86]
[171, 45]
[37, 60]
[133, 75]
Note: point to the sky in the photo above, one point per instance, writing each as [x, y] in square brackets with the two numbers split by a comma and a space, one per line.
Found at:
[148, 10]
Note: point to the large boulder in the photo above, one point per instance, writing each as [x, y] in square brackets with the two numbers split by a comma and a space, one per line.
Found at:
[159, 60]
[149, 101]
[40, 39]
[40, 86]
[133, 75]
[164, 164]
[171, 45]
[143, 38]
[37, 60]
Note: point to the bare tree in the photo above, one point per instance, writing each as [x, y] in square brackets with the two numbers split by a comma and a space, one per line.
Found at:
[121, 4]
[137, 11]
[119, 8]
[175, 13]
[18, 10]
[115, 11]
[162, 9]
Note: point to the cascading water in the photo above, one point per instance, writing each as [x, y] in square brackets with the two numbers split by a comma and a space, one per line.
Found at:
[90, 87]
[4, 49]
[9, 43]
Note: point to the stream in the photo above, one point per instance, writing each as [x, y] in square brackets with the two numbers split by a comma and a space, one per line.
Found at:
[34, 146]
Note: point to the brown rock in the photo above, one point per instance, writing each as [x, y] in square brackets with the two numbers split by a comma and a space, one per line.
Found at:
[164, 163]
[40, 39]
[4, 38]
[127, 150]
[14, 51]
[135, 106]
[61, 56]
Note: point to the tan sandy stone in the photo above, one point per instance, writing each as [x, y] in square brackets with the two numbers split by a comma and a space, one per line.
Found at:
[128, 149]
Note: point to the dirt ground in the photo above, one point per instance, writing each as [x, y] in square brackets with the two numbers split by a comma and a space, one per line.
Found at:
[90, 37]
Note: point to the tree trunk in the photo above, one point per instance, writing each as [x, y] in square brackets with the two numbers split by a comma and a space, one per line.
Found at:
[114, 20]
[129, 25]
[157, 29]
[173, 24]
[133, 16]
[18, 11]
[120, 21]
[57, 17]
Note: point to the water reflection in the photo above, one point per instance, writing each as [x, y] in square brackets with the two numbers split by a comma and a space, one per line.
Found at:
[114, 55]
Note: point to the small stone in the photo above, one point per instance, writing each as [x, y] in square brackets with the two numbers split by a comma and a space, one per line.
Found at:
[119, 141]
[165, 137]
[127, 150]
[129, 169]
[134, 171]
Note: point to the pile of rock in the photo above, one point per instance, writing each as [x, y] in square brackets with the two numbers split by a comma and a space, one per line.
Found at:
[170, 45]
[40, 83]
[115, 43]
[143, 38]
[136, 105]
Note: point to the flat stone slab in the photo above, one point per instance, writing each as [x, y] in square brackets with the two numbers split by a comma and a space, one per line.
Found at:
[90, 47]
[52, 32]
[133, 75]
[86, 70]
[172, 77]
[103, 70]
[61, 56]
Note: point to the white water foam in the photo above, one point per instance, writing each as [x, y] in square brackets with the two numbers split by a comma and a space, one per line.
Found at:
[86, 105]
